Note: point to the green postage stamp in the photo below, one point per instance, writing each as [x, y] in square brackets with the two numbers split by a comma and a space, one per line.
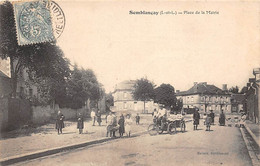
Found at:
[33, 22]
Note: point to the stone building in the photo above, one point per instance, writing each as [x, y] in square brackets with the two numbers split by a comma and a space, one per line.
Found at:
[206, 97]
[124, 101]
[252, 97]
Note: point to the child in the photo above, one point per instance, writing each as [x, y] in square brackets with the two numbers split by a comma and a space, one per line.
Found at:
[128, 123]
[80, 125]
[204, 118]
[208, 122]
[137, 119]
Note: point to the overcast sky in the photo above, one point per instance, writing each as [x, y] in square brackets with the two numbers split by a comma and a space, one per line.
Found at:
[218, 49]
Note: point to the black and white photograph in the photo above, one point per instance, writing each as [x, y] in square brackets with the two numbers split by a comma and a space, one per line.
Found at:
[129, 83]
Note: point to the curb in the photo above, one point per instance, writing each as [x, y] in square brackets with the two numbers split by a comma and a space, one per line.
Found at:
[252, 135]
[251, 153]
[47, 152]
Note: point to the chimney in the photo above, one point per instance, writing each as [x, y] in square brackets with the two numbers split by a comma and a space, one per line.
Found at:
[224, 87]
[195, 83]
[177, 91]
[256, 73]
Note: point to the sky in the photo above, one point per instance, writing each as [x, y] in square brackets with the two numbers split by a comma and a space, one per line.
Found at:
[176, 49]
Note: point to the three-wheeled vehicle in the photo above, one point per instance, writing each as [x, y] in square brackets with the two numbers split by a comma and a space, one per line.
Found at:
[170, 125]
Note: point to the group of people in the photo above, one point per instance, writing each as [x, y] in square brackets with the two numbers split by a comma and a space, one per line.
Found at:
[123, 125]
[209, 119]
[96, 116]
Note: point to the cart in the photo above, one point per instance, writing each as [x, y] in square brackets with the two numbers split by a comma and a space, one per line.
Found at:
[170, 126]
[178, 123]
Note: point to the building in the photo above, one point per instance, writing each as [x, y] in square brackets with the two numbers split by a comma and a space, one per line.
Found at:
[237, 103]
[124, 101]
[206, 97]
[23, 90]
[252, 97]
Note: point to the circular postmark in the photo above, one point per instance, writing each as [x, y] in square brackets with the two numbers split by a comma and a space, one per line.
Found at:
[35, 21]
[58, 18]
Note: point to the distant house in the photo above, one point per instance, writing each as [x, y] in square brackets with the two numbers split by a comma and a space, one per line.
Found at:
[237, 102]
[124, 101]
[23, 89]
[206, 97]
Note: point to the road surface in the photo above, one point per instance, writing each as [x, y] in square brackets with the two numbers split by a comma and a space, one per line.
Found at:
[221, 146]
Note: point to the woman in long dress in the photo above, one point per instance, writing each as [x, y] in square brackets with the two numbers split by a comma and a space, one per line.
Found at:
[121, 123]
[128, 123]
[222, 118]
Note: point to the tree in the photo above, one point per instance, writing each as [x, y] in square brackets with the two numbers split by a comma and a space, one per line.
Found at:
[49, 78]
[165, 94]
[179, 105]
[82, 85]
[36, 58]
[143, 90]
[234, 90]
[109, 101]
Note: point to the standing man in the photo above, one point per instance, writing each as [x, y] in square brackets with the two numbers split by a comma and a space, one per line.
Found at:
[80, 124]
[60, 122]
[93, 117]
[109, 124]
[99, 118]
[196, 119]
[137, 118]
[212, 115]
[114, 124]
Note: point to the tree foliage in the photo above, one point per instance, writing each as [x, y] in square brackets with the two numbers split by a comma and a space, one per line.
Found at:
[82, 85]
[43, 60]
[165, 95]
[109, 101]
[143, 90]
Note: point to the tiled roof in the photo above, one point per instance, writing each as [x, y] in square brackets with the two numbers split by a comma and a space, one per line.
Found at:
[238, 97]
[125, 85]
[202, 88]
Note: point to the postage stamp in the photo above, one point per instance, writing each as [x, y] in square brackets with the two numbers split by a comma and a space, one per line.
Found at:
[33, 22]
[58, 18]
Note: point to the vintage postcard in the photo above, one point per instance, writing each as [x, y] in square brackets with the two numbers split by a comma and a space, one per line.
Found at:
[131, 83]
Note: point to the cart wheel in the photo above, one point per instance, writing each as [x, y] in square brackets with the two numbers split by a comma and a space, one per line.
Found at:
[160, 129]
[171, 128]
[153, 129]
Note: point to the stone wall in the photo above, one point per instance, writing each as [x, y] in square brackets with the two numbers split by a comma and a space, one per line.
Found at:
[3, 113]
[45, 114]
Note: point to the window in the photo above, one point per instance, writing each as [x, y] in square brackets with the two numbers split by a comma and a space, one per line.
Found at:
[192, 99]
[187, 99]
[125, 105]
[125, 94]
[202, 98]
